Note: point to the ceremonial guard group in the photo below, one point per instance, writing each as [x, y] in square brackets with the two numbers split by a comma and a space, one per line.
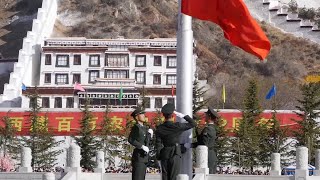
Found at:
[168, 147]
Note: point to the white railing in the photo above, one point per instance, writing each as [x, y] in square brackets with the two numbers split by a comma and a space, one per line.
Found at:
[111, 83]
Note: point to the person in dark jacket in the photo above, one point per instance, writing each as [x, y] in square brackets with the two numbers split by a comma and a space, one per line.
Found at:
[167, 141]
[208, 137]
[139, 137]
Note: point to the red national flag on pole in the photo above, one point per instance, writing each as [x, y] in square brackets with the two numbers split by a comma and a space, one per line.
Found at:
[234, 18]
[78, 87]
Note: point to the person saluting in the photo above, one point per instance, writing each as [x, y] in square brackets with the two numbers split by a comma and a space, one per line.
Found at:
[167, 141]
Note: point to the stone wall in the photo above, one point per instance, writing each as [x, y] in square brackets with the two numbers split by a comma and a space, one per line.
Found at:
[26, 70]
[276, 13]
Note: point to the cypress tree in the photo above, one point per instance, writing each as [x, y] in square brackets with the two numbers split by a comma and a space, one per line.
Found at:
[223, 144]
[308, 131]
[246, 144]
[109, 137]
[144, 101]
[87, 140]
[10, 144]
[198, 101]
[41, 141]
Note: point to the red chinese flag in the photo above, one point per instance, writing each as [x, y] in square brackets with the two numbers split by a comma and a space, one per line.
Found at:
[235, 20]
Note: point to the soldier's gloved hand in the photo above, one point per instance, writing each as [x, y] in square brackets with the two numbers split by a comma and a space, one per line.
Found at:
[150, 131]
[145, 148]
[180, 115]
[187, 145]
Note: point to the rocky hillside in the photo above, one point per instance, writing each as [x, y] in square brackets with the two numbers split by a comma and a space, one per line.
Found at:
[290, 60]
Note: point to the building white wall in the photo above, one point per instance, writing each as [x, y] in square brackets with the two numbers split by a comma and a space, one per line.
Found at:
[150, 69]
[84, 68]
[114, 46]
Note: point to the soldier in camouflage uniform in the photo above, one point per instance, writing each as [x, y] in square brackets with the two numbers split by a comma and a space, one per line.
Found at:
[139, 137]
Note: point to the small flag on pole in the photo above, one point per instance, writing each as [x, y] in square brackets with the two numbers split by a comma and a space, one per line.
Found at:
[120, 94]
[223, 93]
[172, 91]
[23, 87]
[272, 92]
[78, 87]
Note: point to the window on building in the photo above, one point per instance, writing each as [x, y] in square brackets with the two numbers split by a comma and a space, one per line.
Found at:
[94, 60]
[57, 102]
[33, 102]
[157, 61]
[62, 79]
[170, 100]
[171, 79]
[93, 75]
[45, 102]
[62, 61]
[158, 102]
[117, 60]
[76, 78]
[116, 74]
[147, 100]
[69, 102]
[47, 59]
[140, 61]
[140, 77]
[47, 78]
[132, 102]
[77, 59]
[157, 79]
[171, 62]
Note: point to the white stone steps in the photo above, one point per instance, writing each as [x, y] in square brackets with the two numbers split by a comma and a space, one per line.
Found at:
[278, 16]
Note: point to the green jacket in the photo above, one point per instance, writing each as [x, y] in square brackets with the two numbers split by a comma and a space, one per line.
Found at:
[207, 137]
[139, 136]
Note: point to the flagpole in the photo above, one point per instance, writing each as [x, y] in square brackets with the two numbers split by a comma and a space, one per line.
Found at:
[184, 86]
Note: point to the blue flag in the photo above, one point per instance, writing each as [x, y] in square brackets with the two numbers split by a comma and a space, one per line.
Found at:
[23, 87]
[272, 92]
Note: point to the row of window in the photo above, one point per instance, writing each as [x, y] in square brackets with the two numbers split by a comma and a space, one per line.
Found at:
[158, 102]
[112, 60]
[127, 102]
[70, 102]
[57, 102]
[140, 77]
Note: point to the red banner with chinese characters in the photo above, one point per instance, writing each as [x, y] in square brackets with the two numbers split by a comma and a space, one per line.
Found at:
[67, 123]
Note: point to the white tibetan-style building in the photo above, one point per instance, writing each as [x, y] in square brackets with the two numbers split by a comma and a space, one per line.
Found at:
[102, 67]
